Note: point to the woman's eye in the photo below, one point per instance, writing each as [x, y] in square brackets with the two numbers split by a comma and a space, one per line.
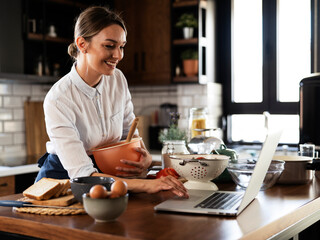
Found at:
[109, 46]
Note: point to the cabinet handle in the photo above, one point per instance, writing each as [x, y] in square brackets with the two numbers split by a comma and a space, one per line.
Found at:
[136, 61]
[143, 61]
[4, 184]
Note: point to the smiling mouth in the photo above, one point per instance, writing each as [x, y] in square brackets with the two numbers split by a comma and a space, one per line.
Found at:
[113, 64]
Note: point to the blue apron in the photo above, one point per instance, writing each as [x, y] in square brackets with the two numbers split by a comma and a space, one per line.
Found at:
[51, 167]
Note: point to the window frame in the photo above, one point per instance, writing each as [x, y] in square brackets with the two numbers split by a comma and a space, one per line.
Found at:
[224, 62]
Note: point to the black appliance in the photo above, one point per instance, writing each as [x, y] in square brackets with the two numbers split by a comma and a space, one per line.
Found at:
[310, 110]
[165, 113]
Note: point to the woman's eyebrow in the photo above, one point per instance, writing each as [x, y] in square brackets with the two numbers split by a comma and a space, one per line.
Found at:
[114, 41]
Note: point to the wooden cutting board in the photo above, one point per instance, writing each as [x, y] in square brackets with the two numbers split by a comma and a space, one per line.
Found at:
[36, 135]
[63, 201]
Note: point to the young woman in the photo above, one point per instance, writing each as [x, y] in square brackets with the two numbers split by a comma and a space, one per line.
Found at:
[91, 106]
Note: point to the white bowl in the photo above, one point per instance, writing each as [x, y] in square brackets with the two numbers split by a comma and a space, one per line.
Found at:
[199, 169]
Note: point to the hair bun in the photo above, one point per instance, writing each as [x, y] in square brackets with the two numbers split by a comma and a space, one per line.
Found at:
[73, 50]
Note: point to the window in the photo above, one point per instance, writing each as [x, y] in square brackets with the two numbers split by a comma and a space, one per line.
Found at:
[294, 42]
[270, 52]
[247, 51]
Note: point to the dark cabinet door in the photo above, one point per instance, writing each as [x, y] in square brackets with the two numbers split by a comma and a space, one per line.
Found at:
[11, 43]
[147, 54]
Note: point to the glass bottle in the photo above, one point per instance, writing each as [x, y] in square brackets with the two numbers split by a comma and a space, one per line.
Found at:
[197, 120]
[171, 147]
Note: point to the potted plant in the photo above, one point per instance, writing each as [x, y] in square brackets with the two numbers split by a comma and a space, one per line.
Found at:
[187, 22]
[190, 62]
[172, 133]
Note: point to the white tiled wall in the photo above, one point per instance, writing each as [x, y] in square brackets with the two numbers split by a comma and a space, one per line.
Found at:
[148, 99]
[12, 125]
[145, 99]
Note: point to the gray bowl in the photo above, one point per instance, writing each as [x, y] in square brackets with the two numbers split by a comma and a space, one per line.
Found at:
[105, 209]
[82, 185]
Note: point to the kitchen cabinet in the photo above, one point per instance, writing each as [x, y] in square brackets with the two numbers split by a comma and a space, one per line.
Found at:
[148, 52]
[11, 44]
[202, 40]
[7, 185]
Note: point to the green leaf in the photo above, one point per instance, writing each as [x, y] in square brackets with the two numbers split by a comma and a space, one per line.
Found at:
[172, 133]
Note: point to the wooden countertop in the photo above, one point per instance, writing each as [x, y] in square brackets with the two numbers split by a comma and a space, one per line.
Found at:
[281, 211]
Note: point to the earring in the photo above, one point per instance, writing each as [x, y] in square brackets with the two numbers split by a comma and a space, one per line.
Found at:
[85, 51]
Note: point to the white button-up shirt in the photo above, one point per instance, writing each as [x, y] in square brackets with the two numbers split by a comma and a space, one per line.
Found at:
[79, 117]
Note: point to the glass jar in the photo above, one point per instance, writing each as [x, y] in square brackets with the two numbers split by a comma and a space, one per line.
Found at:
[171, 147]
[197, 120]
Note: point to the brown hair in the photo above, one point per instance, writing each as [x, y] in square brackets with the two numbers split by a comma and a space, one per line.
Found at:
[90, 22]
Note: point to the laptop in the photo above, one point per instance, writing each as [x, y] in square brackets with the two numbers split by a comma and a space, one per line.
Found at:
[229, 203]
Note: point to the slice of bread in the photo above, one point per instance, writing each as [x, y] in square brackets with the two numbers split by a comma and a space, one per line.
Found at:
[65, 185]
[43, 189]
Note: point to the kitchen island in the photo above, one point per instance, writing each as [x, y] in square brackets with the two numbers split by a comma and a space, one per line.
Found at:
[280, 212]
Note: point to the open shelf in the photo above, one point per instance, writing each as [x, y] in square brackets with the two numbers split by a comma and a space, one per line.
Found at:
[185, 3]
[189, 41]
[181, 79]
[41, 37]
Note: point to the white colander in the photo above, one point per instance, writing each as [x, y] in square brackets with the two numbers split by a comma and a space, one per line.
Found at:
[199, 169]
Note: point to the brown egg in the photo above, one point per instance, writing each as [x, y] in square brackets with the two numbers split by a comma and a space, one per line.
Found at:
[98, 191]
[119, 188]
[114, 195]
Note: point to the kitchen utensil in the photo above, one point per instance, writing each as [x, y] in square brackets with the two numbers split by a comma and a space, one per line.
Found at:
[12, 203]
[36, 134]
[241, 173]
[298, 169]
[82, 185]
[132, 129]
[108, 157]
[199, 169]
[105, 209]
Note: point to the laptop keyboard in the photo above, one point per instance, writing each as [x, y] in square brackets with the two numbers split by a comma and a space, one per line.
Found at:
[220, 201]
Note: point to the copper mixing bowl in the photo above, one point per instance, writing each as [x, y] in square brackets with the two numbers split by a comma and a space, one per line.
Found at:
[108, 157]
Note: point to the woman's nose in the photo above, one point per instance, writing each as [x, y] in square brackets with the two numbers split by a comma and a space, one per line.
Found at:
[117, 53]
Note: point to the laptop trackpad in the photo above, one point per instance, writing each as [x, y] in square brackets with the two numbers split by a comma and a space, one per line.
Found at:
[195, 196]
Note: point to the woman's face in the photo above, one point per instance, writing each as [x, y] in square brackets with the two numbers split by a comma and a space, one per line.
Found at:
[105, 50]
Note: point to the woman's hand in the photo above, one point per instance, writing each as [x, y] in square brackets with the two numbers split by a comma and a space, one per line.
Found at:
[168, 183]
[139, 168]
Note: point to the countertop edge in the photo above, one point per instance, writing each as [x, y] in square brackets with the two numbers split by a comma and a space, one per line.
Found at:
[30, 168]
[23, 169]
[16, 78]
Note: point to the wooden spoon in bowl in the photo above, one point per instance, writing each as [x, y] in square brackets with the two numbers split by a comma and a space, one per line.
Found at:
[132, 129]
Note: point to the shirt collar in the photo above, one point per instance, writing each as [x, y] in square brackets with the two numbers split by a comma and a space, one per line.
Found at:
[82, 85]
